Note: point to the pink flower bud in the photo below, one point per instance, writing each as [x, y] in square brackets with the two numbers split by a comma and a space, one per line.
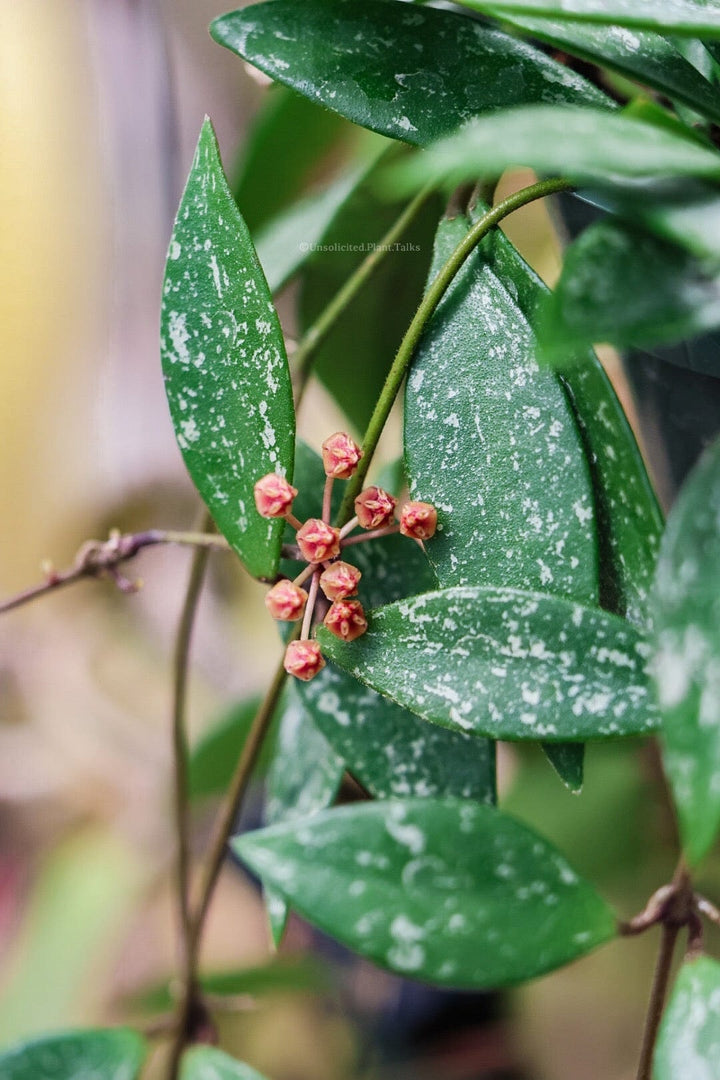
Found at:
[340, 580]
[273, 496]
[286, 601]
[318, 541]
[418, 520]
[374, 508]
[303, 659]
[340, 456]
[346, 620]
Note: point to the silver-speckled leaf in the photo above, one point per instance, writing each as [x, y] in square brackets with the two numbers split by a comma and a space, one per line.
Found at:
[208, 1063]
[448, 891]
[686, 607]
[113, 1054]
[688, 1046]
[407, 73]
[226, 372]
[506, 664]
[673, 16]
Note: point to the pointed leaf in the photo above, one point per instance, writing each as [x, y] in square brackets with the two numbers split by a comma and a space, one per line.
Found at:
[686, 607]
[623, 286]
[674, 16]
[113, 1054]
[578, 143]
[647, 58]
[208, 1063]
[688, 1043]
[446, 891]
[506, 664]
[410, 74]
[226, 373]
[629, 520]
[526, 519]
[388, 749]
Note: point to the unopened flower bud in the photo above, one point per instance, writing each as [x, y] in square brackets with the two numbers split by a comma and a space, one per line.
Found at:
[286, 601]
[418, 520]
[273, 496]
[340, 580]
[303, 659]
[340, 456]
[318, 541]
[374, 508]
[346, 620]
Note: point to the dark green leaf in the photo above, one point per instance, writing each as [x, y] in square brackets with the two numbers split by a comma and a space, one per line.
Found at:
[568, 761]
[354, 359]
[686, 607]
[207, 1063]
[226, 372]
[213, 759]
[629, 521]
[447, 891]
[621, 285]
[505, 466]
[113, 1054]
[390, 750]
[688, 1044]
[647, 58]
[410, 74]
[274, 166]
[585, 145]
[505, 664]
[674, 16]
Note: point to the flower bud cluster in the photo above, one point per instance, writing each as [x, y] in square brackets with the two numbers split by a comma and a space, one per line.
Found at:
[320, 545]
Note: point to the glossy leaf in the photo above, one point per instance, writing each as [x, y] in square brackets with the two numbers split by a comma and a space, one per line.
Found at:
[629, 520]
[113, 1054]
[648, 58]
[446, 891]
[686, 607]
[505, 466]
[208, 1063]
[407, 73]
[623, 286]
[354, 359]
[584, 145]
[506, 664]
[226, 373]
[691, 17]
[304, 778]
[688, 1043]
[388, 749]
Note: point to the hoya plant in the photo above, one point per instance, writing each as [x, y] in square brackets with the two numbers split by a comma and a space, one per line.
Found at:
[508, 578]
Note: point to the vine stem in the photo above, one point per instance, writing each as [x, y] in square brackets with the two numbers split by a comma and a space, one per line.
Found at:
[658, 994]
[346, 294]
[424, 312]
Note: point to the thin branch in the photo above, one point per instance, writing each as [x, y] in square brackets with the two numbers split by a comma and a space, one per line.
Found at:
[423, 314]
[657, 999]
[313, 339]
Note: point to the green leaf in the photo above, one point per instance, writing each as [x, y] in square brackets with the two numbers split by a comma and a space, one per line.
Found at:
[354, 359]
[584, 145]
[647, 58]
[621, 285]
[674, 16]
[506, 664]
[412, 75]
[214, 757]
[113, 1054]
[274, 166]
[448, 891]
[207, 1063]
[686, 609]
[629, 520]
[505, 466]
[226, 372]
[388, 749]
[688, 1043]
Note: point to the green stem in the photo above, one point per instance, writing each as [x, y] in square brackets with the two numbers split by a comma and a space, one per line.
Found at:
[423, 314]
[313, 339]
